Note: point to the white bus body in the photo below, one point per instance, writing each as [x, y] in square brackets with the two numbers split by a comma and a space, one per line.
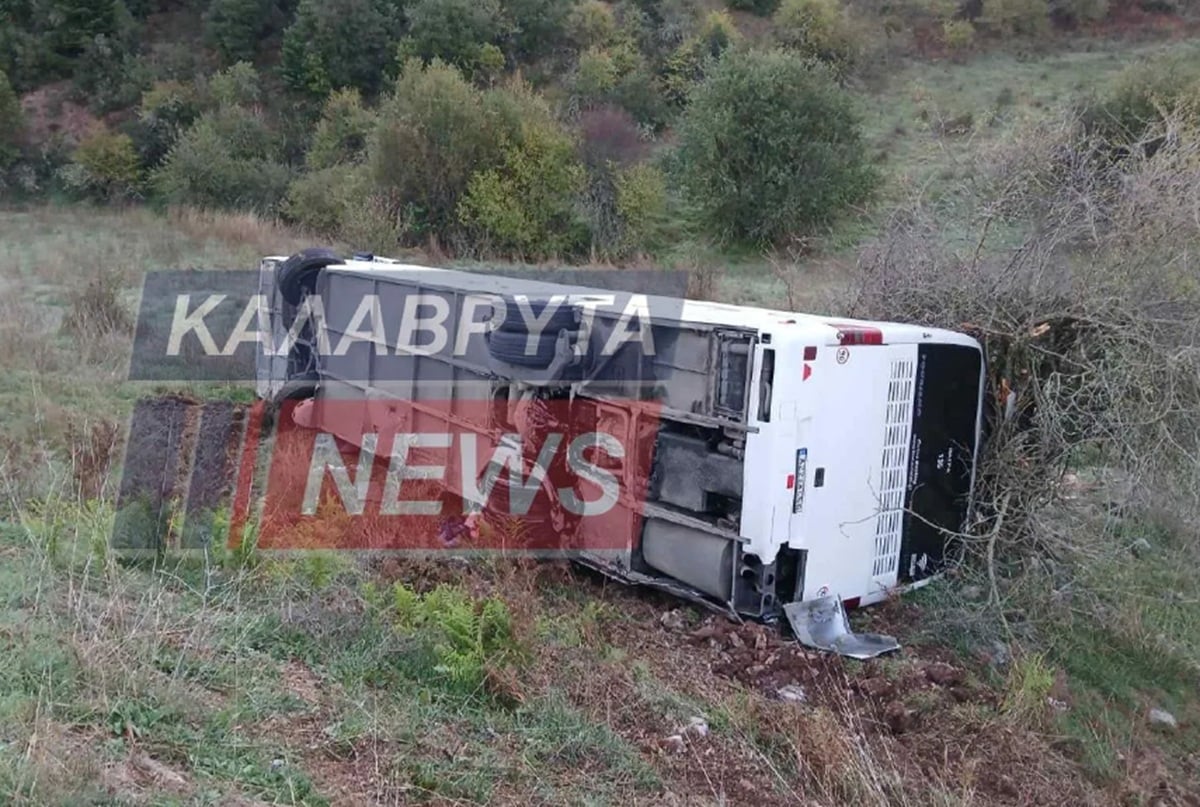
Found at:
[795, 457]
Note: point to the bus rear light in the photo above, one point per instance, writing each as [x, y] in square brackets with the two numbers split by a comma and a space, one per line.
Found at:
[858, 334]
[810, 353]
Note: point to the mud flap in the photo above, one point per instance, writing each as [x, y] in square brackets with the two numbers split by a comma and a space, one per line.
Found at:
[822, 624]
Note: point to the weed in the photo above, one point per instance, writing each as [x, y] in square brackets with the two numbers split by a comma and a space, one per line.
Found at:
[1029, 681]
[96, 310]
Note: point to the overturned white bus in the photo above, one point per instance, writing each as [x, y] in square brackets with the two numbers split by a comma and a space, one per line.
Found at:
[762, 457]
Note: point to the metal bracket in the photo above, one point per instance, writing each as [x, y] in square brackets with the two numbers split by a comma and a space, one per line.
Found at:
[822, 624]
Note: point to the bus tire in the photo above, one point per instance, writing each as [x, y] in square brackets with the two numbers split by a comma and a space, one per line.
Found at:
[297, 389]
[299, 272]
[512, 347]
[512, 320]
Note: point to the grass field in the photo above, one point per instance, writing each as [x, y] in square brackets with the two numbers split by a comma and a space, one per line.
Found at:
[243, 678]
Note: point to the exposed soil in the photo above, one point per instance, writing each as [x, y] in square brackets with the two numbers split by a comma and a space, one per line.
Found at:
[50, 117]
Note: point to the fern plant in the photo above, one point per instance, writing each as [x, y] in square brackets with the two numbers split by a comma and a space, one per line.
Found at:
[471, 640]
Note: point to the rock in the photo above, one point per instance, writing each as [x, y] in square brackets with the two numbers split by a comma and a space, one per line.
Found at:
[1000, 654]
[943, 674]
[1141, 547]
[697, 727]
[672, 620]
[277, 764]
[898, 718]
[1163, 719]
[163, 775]
[673, 744]
[792, 692]
[878, 688]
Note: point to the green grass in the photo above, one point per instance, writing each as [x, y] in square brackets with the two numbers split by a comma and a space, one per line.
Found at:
[192, 665]
[987, 96]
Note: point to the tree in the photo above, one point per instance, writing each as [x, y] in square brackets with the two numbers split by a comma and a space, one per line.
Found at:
[11, 123]
[769, 145]
[591, 24]
[526, 205]
[236, 85]
[167, 109]
[342, 132]
[760, 7]
[435, 130]
[536, 25]
[235, 28]
[228, 159]
[451, 30]
[339, 43]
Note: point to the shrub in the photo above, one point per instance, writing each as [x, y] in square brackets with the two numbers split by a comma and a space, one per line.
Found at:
[434, 131]
[1140, 96]
[818, 29]
[717, 32]
[489, 63]
[591, 24]
[1079, 11]
[96, 309]
[768, 146]
[319, 200]
[609, 134]
[525, 205]
[641, 205]
[595, 77]
[958, 34]
[341, 134]
[245, 133]
[235, 28]
[106, 166]
[11, 123]
[223, 161]
[760, 7]
[1017, 17]
[639, 93]
[333, 44]
[370, 222]
[685, 67]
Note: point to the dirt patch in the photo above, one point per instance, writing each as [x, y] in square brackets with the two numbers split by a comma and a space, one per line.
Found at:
[302, 682]
[920, 713]
[51, 118]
